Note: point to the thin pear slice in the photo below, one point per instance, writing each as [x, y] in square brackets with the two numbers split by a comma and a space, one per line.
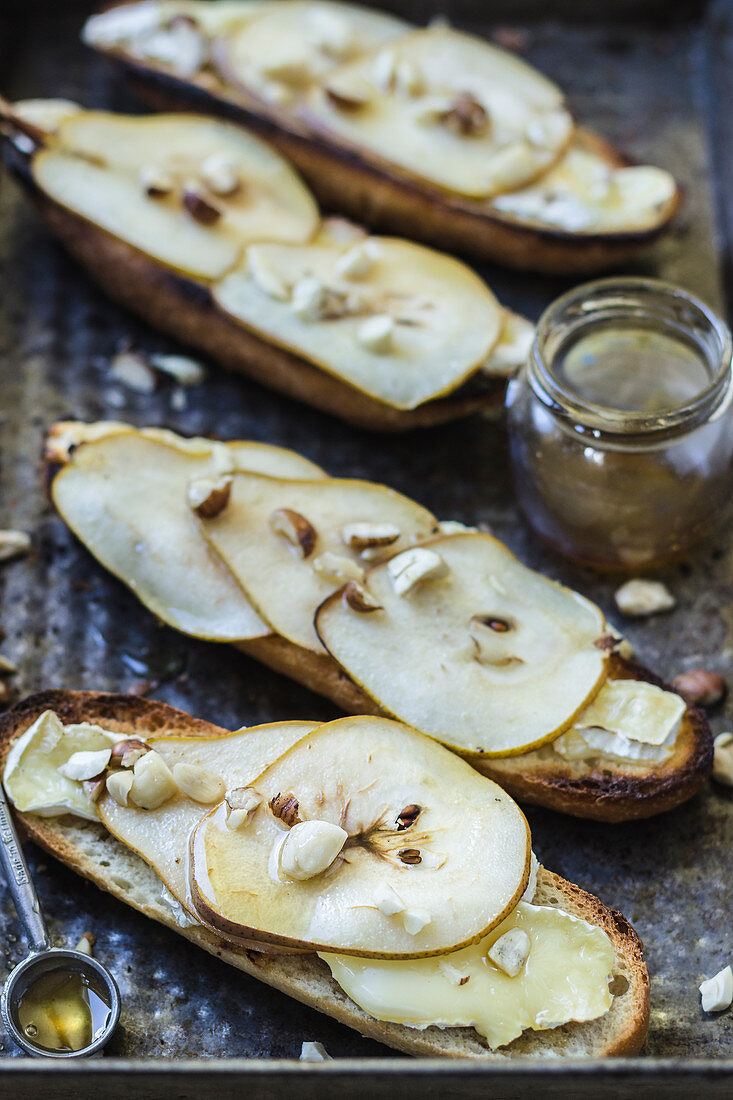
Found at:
[490, 657]
[125, 498]
[96, 164]
[160, 836]
[449, 108]
[65, 436]
[116, 203]
[435, 856]
[441, 320]
[284, 582]
[290, 45]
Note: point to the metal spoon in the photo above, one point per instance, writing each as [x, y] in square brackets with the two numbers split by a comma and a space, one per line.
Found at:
[43, 958]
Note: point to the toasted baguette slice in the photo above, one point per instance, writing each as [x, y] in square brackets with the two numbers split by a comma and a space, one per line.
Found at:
[604, 792]
[383, 197]
[89, 849]
[184, 308]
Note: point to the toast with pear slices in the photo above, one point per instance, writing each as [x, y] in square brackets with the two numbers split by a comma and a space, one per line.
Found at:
[362, 595]
[381, 332]
[147, 882]
[430, 132]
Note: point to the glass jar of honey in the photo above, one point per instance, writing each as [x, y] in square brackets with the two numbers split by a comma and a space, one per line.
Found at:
[621, 424]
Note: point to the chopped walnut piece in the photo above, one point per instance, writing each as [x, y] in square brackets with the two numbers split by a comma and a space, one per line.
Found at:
[699, 687]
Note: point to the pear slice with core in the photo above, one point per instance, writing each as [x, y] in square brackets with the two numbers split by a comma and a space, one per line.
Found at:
[125, 497]
[449, 108]
[144, 180]
[432, 855]
[477, 651]
[160, 836]
[290, 543]
[398, 321]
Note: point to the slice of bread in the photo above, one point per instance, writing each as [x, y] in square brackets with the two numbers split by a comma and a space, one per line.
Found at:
[385, 199]
[184, 308]
[603, 792]
[90, 850]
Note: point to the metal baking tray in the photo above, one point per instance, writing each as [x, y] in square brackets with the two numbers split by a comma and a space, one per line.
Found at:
[657, 79]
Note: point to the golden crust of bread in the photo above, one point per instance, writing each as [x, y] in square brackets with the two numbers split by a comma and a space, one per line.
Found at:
[89, 850]
[385, 199]
[185, 309]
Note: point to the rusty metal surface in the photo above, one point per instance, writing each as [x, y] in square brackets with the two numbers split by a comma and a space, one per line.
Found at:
[70, 624]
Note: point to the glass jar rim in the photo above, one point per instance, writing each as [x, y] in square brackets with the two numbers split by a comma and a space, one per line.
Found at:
[607, 421]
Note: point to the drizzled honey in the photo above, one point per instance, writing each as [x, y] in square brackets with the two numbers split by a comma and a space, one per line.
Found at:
[63, 1010]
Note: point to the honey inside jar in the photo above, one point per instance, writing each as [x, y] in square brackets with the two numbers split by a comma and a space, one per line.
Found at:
[631, 367]
[620, 424]
[63, 1010]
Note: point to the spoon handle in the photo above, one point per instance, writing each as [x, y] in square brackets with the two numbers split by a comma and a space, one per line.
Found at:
[18, 878]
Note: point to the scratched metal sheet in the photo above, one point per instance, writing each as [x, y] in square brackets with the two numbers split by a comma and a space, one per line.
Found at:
[656, 91]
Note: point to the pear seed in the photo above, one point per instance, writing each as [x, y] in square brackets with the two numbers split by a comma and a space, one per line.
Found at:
[410, 856]
[407, 817]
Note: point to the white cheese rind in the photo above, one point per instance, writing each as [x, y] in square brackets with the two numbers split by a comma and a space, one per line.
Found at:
[629, 721]
[32, 778]
[566, 977]
[583, 194]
